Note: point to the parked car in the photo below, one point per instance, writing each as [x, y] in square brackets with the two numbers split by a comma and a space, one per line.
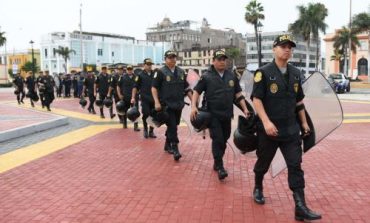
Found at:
[340, 82]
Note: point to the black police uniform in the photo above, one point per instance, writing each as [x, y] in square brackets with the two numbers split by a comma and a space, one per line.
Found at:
[220, 94]
[126, 83]
[30, 82]
[41, 88]
[89, 86]
[67, 85]
[75, 85]
[19, 83]
[103, 83]
[171, 88]
[48, 82]
[279, 95]
[113, 83]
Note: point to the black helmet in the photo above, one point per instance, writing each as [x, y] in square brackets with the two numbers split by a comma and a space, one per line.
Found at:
[133, 113]
[83, 102]
[159, 118]
[99, 103]
[28, 94]
[245, 138]
[120, 107]
[34, 97]
[108, 102]
[201, 121]
[16, 91]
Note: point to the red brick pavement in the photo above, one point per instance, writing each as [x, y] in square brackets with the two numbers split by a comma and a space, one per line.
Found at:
[20, 117]
[118, 176]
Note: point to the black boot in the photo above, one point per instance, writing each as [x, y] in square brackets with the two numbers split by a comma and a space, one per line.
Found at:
[151, 133]
[136, 127]
[124, 122]
[219, 167]
[176, 152]
[101, 113]
[258, 195]
[146, 133]
[48, 108]
[167, 147]
[302, 212]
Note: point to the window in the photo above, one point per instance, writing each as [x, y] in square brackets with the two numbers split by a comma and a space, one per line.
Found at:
[100, 52]
[54, 52]
[112, 53]
[46, 53]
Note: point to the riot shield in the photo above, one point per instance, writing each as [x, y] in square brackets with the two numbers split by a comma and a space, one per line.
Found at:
[324, 112]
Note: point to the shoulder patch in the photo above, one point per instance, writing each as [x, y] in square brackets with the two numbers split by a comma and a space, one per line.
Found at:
[258, 76]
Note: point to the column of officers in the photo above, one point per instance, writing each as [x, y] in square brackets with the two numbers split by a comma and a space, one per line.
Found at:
[41, 88]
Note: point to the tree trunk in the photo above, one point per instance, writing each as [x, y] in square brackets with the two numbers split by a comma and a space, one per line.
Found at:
[368, 59]
[345, 69]
[65, 60]
[317, 55]
[307, 58]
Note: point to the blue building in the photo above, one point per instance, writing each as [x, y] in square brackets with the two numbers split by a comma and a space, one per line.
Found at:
[97, 49]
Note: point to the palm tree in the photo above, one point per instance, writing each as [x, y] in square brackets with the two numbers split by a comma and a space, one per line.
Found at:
[361, 23]
[309, 24]
[233, 54]
[2, 39]
[341, 43]
[253, 14]
[65, 53]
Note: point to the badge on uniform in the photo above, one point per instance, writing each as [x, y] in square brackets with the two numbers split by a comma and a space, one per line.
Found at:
[119, 79]
[296, 87]
[168, 78]
[274, 88]
[231, 83]
[136, 78]
[155, 75]
[182, 77]
[258, 77]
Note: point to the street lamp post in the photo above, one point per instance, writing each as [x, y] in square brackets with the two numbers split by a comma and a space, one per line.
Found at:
[259, 45]
[33, 59]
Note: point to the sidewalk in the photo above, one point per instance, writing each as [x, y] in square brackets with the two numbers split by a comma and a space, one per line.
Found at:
[103, 173]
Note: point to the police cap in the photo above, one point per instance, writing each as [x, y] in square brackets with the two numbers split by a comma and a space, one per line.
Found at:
[282, 39]
[170, 53]
[217, 54]
[148, 61]
[129, 67]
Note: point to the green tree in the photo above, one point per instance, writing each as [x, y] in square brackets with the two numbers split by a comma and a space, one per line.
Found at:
[310, 22]
[254, 14]
[233, 54]
[341, 43]
[65, 53]
[2, 39]
[361, 23]
[28, 67]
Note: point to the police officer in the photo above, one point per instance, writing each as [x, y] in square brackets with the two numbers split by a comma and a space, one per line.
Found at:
[30, 83]
[101, 86]
[115, 75]
[221, 87]
[88, 89]
[124, 89]
[143, 85]
[48, 82]
[67, 84]
[19, 86]
[75, 78]
[41, 87]
[168, 89]
[278, 99]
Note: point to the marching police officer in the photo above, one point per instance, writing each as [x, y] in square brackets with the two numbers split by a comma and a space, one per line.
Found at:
[41, 87]
[113, 86]
[19, 87]
[88, 89]
[168, 89]
[278, 99]
[124, 89]
[221, 87]
[67, 84]
[30, 83]
[143, 85]
[75, 78]
[48, 82]
[101, 86]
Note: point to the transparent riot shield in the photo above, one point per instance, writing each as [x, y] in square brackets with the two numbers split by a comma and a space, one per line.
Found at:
[325, 113]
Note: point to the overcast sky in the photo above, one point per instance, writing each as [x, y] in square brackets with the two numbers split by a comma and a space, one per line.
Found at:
[23, 20]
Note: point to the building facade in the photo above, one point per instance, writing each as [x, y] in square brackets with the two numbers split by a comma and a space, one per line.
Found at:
[97, 49]
[359, 65]
[190, 37]
[299, 53]
[15, 60]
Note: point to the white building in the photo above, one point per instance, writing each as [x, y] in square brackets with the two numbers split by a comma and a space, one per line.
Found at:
[299, 52]
[97, 49]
